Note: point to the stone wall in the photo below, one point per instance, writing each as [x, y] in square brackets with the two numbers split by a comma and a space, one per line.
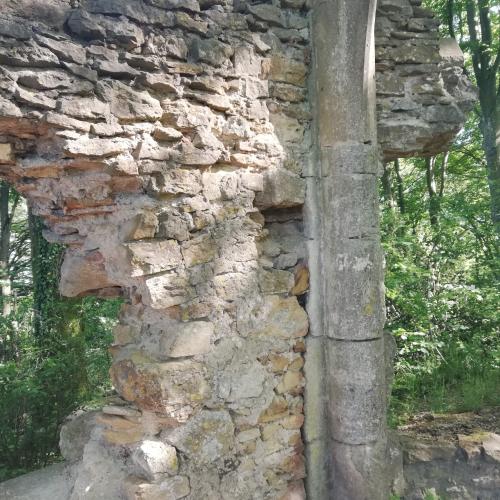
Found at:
[167, 143]
[423, 93]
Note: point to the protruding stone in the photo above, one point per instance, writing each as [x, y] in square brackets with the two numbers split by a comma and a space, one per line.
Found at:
[173, 488]
[207, 436]
[188, 339]
[155, 458]
[154, 256]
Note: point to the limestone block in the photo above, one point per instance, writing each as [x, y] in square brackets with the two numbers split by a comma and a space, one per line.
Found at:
[281, 189]
[75, 433]
[186, 21]
[173, 224]
[28, 55]
[6, 153]
[127, 104]
[214, 101]
[174, 388]
[155, 458]
[211, 51]
[125, 334]
[183, 115]
[167, 134]
[188, 339]
[193, 156]
[82, 107]
[66, 50]
[97, 147]
[8, 109]
[275, 281]
[97, 27]
[149, 257]
[145, 226]
[275, 317]
[242, 381]
[357, 390]
[163, 83]
[192, 5]
[269, 13]
[177, 181]
[283, 69]
[427, 450]
[292, 382]
[81, 273]
[246, 62]
[38, 100]
[50, 483]
[137, 10]
[172, 488]
[167, 290]
[206, 437]
[233, 285]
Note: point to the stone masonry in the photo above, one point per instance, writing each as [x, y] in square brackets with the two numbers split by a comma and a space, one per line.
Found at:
[168, 145]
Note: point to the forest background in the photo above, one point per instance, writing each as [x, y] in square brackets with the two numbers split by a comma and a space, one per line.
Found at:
[440, 228]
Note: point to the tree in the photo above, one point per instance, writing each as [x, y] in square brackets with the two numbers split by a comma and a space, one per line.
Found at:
[475, 24]
[9, 200]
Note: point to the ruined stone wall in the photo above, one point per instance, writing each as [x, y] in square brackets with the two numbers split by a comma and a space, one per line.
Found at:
[423, 94]
[167, 143]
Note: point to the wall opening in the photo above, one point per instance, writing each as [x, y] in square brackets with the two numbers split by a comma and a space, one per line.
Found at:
[53, 350]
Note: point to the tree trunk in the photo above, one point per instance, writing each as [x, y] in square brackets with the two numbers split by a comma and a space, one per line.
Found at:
[430, 175]
[401, 195]
[387, 187]
[6, 217]
[486, 63]
[490, 129]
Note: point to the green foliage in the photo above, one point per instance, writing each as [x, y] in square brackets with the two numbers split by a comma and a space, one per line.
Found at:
[442, 288]
[43, 382]
[53, 360]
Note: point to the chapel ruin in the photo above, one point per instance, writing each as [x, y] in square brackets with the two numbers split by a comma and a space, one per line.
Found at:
[215, 163]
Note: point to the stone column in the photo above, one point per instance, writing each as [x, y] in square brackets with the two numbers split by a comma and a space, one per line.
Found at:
[352, 448]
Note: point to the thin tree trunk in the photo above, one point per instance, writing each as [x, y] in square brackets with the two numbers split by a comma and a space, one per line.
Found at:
[485, 70]
[7, 213]
[442, 174]
[430, 175]
[490, 129]
[387, 187]
[399, 181]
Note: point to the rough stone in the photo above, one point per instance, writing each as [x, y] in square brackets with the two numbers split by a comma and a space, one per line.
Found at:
[208, 436]
[190, 339]
[150, 257]
[155, 458]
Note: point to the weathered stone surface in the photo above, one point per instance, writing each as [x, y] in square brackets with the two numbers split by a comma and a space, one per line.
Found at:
[83, 273]
[101, 148]
[75, 434]
[149, 135]
[129, 105]
[167, 290]
[281, 189]
[208, 436]
[278, 317]
[199, 250]
[189, 339]
[6, 153]
[83, 108]
[49, 483]
[173, 488]
[174, 388]
[150, 257]
[155, 458]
